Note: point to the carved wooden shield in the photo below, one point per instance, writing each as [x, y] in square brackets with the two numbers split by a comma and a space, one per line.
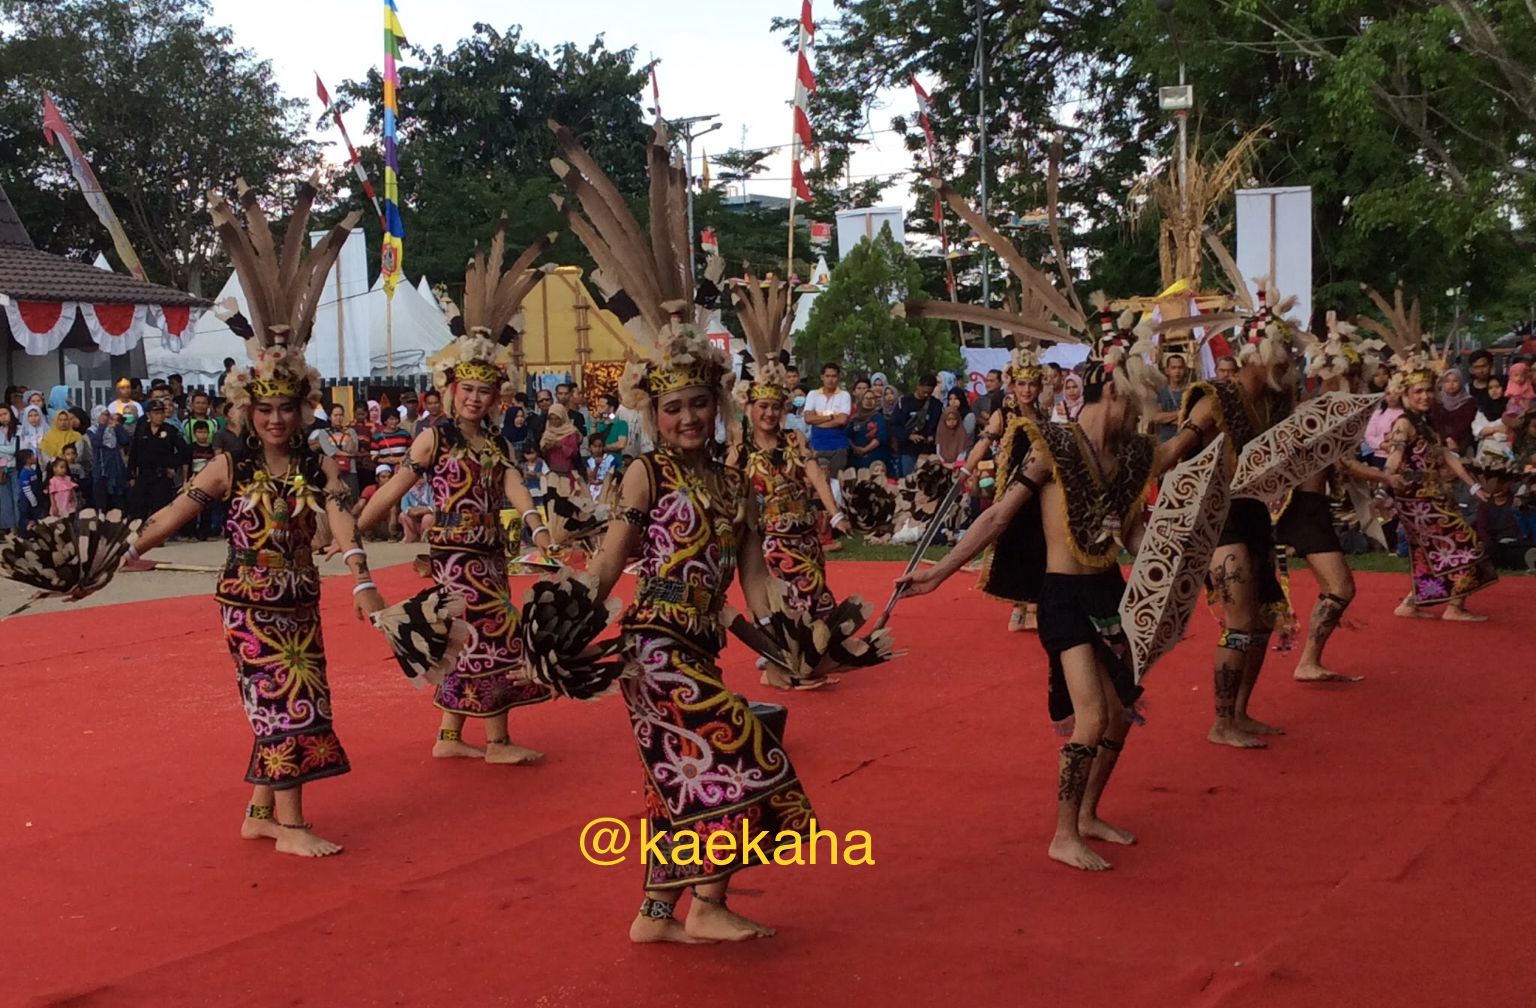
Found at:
[1317, 434]
[1169, 574]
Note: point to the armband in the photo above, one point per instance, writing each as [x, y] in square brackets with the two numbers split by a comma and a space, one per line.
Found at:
[198, 494]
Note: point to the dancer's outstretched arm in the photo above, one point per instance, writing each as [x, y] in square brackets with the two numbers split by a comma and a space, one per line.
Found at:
[387, 497]
[517, 492]
[984, 530]
[206, 487]
[624, 527]
[365, 600]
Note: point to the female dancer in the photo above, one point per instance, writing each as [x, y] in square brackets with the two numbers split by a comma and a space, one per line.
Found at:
[275, 488]
[1448, 561]
[685, 513]
[782, 476]
[469, 473]
[1016, 583]
[711, 765]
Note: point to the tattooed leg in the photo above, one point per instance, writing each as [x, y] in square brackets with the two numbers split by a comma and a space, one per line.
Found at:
[1253, 663]
[1091, 715]
[1232, 651]
[1336, 589]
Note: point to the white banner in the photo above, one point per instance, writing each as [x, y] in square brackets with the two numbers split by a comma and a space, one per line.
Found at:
[978, 362]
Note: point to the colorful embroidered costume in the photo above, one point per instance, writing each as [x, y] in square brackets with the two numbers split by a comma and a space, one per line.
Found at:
[468, 551]
[269, 595]
[710, 764]
[783, 496]
[1447, 559]
[1078, 609]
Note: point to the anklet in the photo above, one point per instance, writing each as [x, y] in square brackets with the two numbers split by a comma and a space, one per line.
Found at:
[258, 811]
[299, 825]
[712, 901]
[499, 741]
[655, 909]
[449, 734]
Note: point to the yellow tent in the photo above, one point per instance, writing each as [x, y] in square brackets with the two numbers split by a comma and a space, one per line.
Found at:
[564, 331]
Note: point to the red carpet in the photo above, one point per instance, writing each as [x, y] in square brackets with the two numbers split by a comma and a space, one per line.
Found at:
[1374, 856]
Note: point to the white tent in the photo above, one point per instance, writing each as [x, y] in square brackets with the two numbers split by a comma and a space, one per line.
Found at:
[419, 328]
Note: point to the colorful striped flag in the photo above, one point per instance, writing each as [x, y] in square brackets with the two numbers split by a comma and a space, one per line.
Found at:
[352, 158]
[392, 255]
[805, 83]
[56, 130]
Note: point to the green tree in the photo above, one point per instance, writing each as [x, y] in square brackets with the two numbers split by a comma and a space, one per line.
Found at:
[852, 323]
[1412, 123]
[474, 141]
[164, 105]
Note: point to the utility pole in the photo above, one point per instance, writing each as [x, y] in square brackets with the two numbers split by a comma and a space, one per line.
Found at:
[1179, 101]
[684, 129]
[981, 144]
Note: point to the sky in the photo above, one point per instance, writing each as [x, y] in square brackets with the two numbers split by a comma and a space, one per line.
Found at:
[716, 58]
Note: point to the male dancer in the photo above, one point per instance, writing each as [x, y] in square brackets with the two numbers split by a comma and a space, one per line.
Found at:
[1306, 524]
[1091, 479]
[1242, 575]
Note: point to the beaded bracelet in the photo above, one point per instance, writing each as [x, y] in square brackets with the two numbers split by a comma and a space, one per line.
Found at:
[355, 551]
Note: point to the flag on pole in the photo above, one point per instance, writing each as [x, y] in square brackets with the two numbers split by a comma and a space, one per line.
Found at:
[805, 83]
[655, 91]
[924, 110]
[352, 158]
[57, 131]
[392, 255]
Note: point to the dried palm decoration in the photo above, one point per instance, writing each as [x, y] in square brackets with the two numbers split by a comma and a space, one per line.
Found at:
[1182, 216]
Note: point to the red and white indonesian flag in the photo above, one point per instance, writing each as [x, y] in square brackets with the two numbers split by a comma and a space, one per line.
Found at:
[805, 83]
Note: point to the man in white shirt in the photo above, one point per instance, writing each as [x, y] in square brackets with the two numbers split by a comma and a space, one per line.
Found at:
[826, 413]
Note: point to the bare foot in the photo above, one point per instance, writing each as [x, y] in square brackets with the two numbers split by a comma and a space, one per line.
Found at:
[259, 829]
[1072, 851]
[711, 922]
[1094, 828]
[443, 749]
[304, 843]
[1408, 611]
[645, 931]
[1316, 673]
[1252, 727]
[1462, 616]
[506, 752]
[1231, 736]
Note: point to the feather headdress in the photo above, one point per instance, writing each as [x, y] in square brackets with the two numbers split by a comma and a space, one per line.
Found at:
[654, 271]
[1023, 366]
[486, 328]
[282, 293]
[1411, 352]
[1269, 337]
[1335, 358]
[762, 307]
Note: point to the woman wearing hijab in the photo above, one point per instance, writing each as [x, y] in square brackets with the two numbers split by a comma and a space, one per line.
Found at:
[60, 435]
[1070, 404]
[560, 444]
[10, 475]
[109, 470]
[1453, 413]
[955, 399]
[1517, 387]
[33, 428]
[869, 435]
[951, 442]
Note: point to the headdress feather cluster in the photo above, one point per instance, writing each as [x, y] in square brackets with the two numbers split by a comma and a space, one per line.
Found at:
[1402, 332]
[282, 292]
[762, 308]
[486, 329]
[653, 270]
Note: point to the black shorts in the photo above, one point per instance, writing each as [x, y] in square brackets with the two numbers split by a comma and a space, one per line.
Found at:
[1078, 609]
[1248, 524]
[1307, 525]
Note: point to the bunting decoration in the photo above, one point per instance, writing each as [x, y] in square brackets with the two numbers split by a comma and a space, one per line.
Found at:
[392, 255]
[57, 131]
[352, 158]
[805, 83]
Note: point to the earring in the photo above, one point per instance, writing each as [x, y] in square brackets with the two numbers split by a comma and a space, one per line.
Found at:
[253, 442]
